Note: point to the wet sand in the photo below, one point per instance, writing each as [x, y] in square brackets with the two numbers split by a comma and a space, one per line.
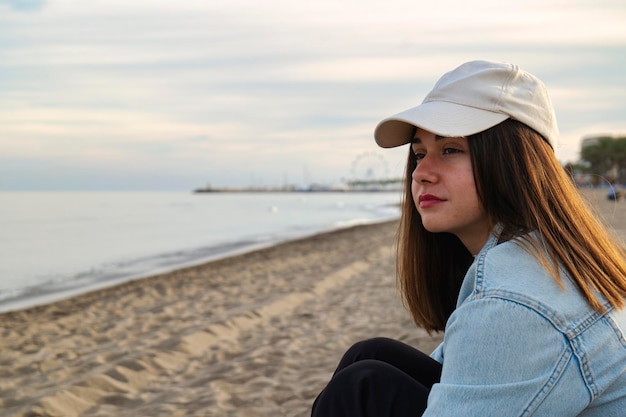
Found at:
[253, 335]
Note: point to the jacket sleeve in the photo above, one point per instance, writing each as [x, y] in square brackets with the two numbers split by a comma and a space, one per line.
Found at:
[501, 358]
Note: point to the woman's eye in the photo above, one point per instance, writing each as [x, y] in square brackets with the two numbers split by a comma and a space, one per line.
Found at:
[448, 151]
[419, 156]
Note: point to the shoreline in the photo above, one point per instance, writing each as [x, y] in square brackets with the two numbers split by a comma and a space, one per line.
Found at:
[55, 292]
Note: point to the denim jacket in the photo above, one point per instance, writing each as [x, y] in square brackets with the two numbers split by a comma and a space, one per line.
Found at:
[519, 345]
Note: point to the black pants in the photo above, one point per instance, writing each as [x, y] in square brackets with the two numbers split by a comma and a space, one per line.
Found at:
[379, 377]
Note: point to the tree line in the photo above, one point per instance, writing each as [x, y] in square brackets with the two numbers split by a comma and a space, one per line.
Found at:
[605, 157]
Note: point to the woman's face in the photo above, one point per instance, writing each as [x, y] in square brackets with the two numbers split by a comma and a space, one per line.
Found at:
[444, 191]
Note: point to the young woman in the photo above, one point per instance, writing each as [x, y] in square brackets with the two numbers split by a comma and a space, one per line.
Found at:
[497, 248]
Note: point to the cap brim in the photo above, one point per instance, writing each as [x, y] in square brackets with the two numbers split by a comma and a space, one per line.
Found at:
[438, 117]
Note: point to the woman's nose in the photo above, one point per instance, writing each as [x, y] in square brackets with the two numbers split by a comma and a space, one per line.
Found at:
[426, 170]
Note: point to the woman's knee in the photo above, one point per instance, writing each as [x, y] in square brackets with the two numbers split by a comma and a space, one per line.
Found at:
[370, 348]
[368, 372]
[380, 348]
[364, 349]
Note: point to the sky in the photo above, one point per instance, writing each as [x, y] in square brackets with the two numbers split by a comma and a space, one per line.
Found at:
[175, 95]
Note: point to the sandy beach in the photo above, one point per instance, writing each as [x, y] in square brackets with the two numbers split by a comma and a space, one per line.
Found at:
[253, 335]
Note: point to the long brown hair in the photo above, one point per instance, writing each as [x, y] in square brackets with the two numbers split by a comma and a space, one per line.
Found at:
[523, 188]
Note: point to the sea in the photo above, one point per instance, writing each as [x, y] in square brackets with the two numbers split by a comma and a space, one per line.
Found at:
[55, 245]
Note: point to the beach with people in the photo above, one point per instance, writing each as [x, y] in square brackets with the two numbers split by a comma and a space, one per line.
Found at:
[257, 334]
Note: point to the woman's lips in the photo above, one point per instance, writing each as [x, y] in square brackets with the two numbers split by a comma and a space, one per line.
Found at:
[429, 200]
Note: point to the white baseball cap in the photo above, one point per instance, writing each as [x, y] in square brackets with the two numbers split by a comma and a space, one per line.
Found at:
[472, 98]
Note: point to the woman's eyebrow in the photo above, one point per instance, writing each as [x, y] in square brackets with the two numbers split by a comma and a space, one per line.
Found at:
[437, 137]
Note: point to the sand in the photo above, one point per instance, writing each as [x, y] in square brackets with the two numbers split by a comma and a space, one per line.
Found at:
[253, 335]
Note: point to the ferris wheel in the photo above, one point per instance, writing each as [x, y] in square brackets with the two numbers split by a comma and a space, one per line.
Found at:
[369, 166]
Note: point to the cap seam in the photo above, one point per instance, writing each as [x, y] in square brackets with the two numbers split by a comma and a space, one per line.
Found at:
[505, 85]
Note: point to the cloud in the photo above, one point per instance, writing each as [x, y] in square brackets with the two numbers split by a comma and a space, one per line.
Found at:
[231, 89]
[25, 5]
